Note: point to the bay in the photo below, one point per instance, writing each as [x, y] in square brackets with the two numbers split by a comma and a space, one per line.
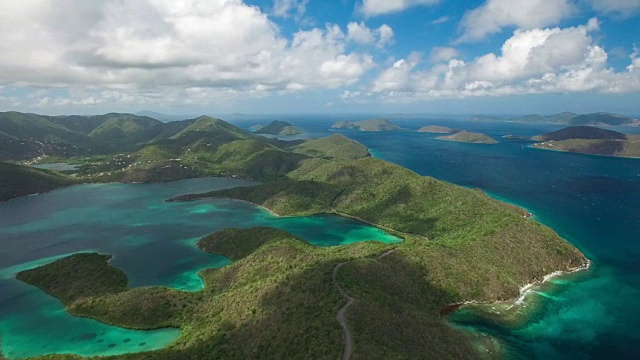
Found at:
[153, 241]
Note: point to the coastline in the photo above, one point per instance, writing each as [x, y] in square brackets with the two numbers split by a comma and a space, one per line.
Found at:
[524, 291]
[519, 303]
[196, 197]
[127, 183]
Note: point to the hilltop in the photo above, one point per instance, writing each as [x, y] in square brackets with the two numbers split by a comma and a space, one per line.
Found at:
[27, 136]
[163, 117]
[581, 132]
[367, 125]
[278, 127]
[590, 140]
[206, 147]
[567, 118]
[131, 148]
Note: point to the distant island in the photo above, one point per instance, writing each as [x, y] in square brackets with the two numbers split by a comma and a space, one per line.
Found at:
[567, 118]
[590, 140]
[517, 137]
[459, 244]
[469, 137]
[368, 125]
[435, 129]
[278, 127]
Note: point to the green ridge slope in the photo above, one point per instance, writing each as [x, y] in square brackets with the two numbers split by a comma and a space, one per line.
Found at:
[126, 129]
[205, 147]
[480, 242]
[16, 181]
[333, 147]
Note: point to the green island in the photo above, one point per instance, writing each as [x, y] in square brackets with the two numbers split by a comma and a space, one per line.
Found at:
[590, 140]
[567, 118]
[278, 127]
[279, 299]
[469, 137]
[367, 125]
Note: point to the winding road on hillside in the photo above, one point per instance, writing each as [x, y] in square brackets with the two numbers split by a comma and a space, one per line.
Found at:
[346, 332]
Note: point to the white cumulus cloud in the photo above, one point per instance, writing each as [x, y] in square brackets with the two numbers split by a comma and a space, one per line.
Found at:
[495, 15]
[540, 60]
[380, 7]
[621, 7]
[154, 48]
[361, 34]
[443, 53]
[285, 8]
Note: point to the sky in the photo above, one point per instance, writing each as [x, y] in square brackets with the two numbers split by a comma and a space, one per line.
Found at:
[320, 56]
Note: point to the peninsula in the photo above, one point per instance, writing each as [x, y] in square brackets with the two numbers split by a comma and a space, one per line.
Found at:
[16, 181]
[281, 295]
[590, 140]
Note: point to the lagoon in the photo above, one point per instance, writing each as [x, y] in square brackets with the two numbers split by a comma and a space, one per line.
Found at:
[153, 241]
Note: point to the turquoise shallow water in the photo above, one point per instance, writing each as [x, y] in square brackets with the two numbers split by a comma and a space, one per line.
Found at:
[153, 241]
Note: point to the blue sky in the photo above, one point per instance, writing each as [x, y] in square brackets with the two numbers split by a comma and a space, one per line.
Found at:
[312, 56]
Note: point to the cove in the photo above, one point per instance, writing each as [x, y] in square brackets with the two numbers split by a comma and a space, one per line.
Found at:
[153, 241]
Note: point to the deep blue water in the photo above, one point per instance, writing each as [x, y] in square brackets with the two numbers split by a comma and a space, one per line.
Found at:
[592, 201]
